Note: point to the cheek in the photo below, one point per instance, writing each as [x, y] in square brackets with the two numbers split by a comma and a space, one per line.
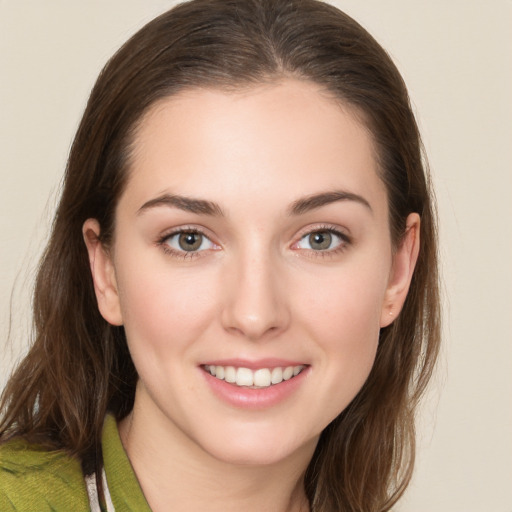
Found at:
[163, 311]
[347, 331]
[344, 321]
[346, 304]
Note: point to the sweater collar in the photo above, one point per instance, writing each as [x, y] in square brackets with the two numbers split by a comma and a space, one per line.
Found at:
[123, 485]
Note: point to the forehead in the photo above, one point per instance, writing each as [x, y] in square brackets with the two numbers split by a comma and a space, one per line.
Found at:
[287, 138]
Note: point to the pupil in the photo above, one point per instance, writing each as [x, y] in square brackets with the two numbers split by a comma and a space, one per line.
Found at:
[320, 240]
[190, 241]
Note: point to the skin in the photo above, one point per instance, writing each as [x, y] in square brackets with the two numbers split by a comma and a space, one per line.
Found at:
[256, 289]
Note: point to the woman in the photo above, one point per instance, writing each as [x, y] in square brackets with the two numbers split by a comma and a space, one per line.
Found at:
[238, 305]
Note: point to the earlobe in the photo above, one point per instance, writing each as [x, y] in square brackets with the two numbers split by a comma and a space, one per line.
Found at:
[103, 275]
[404, 262]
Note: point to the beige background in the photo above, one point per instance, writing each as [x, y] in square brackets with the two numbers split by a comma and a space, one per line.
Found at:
[456, 57]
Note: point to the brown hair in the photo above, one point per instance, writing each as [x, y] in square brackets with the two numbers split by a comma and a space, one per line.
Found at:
[79, 366]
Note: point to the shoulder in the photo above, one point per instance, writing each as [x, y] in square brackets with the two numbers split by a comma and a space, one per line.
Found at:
[32, 478]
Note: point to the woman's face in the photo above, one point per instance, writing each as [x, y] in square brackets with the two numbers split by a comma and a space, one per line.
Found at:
[251, 242]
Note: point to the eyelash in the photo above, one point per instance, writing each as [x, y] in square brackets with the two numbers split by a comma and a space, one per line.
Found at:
[185, 255]
[345, 241]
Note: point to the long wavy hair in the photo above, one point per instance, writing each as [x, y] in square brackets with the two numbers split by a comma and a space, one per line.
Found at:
[79, 367]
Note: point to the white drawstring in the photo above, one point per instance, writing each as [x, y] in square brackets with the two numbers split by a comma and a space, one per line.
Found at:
[92, 491]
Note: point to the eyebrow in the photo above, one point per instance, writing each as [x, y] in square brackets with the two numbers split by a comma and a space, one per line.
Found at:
[315, 201]
[298, 207]
[188, 204]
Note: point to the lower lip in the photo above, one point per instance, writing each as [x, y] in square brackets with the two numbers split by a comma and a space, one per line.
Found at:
[249, 398]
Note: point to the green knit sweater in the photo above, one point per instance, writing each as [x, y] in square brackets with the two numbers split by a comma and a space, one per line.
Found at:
[35, 480]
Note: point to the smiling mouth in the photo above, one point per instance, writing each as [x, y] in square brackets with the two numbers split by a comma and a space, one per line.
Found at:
[255, 379]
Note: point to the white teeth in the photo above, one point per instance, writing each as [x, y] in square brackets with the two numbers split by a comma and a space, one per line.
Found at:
[230, 374]
[244, 377]
[277, 375]
[261, 378]
[219, 372]
[288, 373]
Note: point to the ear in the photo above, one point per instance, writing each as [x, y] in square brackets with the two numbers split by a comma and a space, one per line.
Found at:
[103, 274]
[404, 261]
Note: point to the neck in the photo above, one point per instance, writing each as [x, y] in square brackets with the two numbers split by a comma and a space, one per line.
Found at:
[176, 474]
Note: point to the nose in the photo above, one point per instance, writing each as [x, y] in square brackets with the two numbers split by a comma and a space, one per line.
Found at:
[256, 306]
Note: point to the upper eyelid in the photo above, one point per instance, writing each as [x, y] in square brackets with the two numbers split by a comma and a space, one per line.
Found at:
[343, 232]
[184, 229]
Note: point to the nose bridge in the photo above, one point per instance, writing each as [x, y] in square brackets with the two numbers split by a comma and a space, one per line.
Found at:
[255, 305]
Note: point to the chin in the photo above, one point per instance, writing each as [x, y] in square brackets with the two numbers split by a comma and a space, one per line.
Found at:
[260, 448]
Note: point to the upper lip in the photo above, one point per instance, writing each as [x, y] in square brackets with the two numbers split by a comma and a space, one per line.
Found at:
[254, 364]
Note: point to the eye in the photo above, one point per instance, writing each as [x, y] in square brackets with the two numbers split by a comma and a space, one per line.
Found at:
[188, 241]
[322, 240]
